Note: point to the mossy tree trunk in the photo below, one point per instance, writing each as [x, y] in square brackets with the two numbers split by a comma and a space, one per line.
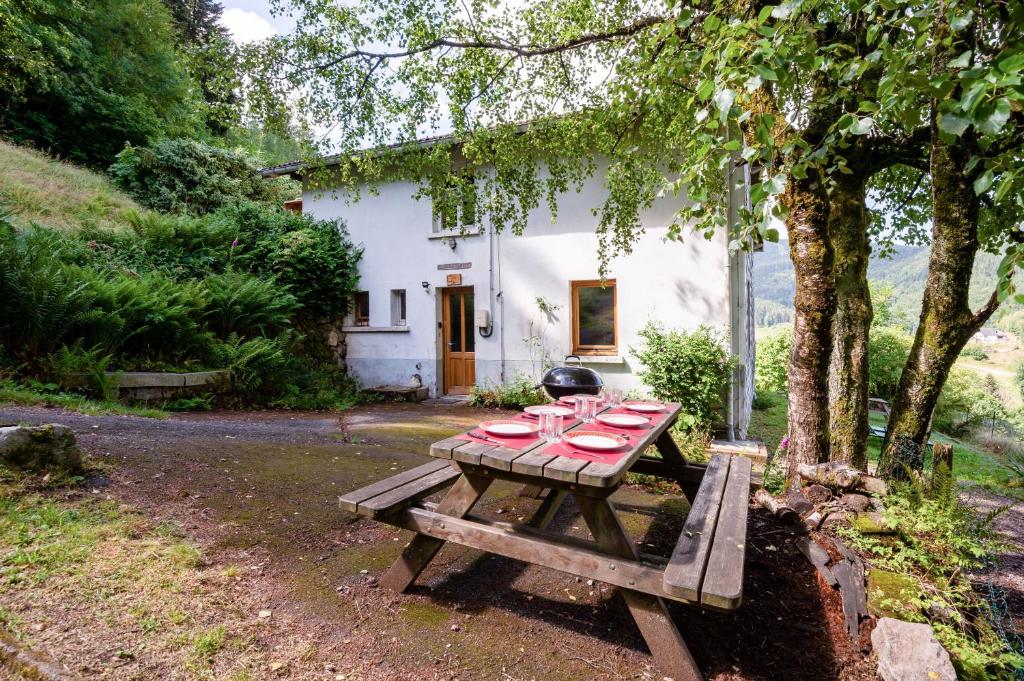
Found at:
[947, 321]
[810, 250]
[848, 370]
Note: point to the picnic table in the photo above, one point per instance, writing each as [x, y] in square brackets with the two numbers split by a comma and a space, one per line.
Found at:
[705, 568]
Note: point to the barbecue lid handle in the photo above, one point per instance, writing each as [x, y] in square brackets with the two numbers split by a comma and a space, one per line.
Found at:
[579, 362]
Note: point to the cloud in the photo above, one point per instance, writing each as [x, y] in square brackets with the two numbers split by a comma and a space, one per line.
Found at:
[246, 26]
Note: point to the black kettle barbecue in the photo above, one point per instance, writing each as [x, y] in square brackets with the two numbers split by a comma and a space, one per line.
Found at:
[571, 380]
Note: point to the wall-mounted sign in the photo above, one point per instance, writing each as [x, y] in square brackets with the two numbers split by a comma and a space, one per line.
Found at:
[455, 266]
[454, 280]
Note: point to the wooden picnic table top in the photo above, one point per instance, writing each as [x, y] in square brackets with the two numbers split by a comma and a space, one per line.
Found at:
[532, 461]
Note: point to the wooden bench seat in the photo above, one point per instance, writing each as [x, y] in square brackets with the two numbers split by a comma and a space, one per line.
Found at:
[706, 566]
[399, 491]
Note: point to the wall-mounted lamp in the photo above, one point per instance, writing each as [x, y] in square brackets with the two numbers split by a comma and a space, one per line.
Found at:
[425, 285]
[452, 243]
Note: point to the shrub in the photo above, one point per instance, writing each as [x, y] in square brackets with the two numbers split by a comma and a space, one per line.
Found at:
[185, 176]
[41, 300]
[689, 367]
[521, 391]
[1020, 379]
[243, 304]
[771, 362]
[888, 349]
[260, 367]
[148, 316]
[974, 352]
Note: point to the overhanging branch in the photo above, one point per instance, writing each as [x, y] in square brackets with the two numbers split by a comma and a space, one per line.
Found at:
[638, 26]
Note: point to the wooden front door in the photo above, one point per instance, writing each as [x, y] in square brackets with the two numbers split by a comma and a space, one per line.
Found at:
[459, 341]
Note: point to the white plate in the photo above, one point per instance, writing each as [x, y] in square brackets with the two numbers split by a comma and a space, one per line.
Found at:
[509, 428]
[622, 420]
[558, 409]
[594, 440]
[645, 407]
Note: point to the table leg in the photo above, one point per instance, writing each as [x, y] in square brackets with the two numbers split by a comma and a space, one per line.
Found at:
[671, 455]
[545, 513]
[649, 612]
[459, 501]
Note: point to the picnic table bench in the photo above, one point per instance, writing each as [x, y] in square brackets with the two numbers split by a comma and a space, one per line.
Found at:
[705, 568]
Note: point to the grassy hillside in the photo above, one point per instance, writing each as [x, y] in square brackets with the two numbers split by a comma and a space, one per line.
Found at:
[36, 188]
[906, 270]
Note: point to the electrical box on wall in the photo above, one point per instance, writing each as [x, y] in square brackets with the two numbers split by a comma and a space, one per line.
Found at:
[482, 319]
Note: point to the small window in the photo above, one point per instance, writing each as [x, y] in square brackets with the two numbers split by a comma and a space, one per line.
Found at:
[594, 328]
[398, 307]
[361, 309]
[462, 213]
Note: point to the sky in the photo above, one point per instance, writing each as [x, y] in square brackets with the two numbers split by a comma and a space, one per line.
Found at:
[250, 20]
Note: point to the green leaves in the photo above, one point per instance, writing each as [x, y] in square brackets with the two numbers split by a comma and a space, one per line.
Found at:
[953, 123]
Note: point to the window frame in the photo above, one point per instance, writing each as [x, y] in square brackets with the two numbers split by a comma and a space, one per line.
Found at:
[467, 191]
[399, 307]
[360, 317]
[598, 350]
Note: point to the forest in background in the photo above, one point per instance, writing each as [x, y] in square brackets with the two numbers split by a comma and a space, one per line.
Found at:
[904, 270]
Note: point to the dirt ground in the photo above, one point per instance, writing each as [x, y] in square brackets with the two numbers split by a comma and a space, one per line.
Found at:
[258, 492]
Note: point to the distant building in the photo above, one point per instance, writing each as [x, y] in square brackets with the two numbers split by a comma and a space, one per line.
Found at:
[455, 307]
[989, 335]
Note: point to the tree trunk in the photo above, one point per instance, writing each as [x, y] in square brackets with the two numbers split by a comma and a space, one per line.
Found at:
[947, 322]
[814, 303]
[848, 372]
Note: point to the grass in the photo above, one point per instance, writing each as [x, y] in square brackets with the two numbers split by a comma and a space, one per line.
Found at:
[73, 561]
[971, 463]
[14, 393]
[60, 195]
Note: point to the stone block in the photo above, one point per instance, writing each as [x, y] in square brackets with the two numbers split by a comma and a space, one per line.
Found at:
[908, 651]
[40, 448]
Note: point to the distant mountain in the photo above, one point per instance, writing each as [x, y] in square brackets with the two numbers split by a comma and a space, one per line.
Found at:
[905, 270]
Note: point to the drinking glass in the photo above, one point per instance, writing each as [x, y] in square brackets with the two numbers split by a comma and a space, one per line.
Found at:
[614, 397]
[577, 406]
[589, 410]
[550, 426]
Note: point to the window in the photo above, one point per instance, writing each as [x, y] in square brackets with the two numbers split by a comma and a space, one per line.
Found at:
[593, 317]
[458, 208]
[361, 309]
[398, 307]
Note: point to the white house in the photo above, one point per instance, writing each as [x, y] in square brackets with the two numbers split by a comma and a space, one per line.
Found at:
[454, 310]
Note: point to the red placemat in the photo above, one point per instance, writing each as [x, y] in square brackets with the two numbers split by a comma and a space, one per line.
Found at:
[520, 442]
[565, 449]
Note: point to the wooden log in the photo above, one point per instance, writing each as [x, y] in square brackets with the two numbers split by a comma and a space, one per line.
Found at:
[850, 576]
[832, 474]
[780, 510]
[942, 454]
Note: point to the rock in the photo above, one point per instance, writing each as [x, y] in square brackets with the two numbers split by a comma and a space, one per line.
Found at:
[908, 651]
[798, 502]
[40, 448]
[872, 523]
[817, 494]
[873, 485]
[891, 593]
[855, 502]
[838, 518]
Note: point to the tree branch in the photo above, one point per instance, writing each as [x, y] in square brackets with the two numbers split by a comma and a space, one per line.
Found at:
[520, 50]
[981, 316]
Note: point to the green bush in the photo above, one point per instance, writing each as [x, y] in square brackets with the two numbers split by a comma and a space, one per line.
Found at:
[689, 367]
[314, 258]
[888, 349]
[521, 391]
[41, 300]
[974, 352]
[1020, 379]
[771, 363]
[185, 176]
[245, 305]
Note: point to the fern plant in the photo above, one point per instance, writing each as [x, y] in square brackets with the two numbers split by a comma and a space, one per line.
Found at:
[245, 305]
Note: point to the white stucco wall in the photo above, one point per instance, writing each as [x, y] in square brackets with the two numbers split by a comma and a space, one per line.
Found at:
[681, 284]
